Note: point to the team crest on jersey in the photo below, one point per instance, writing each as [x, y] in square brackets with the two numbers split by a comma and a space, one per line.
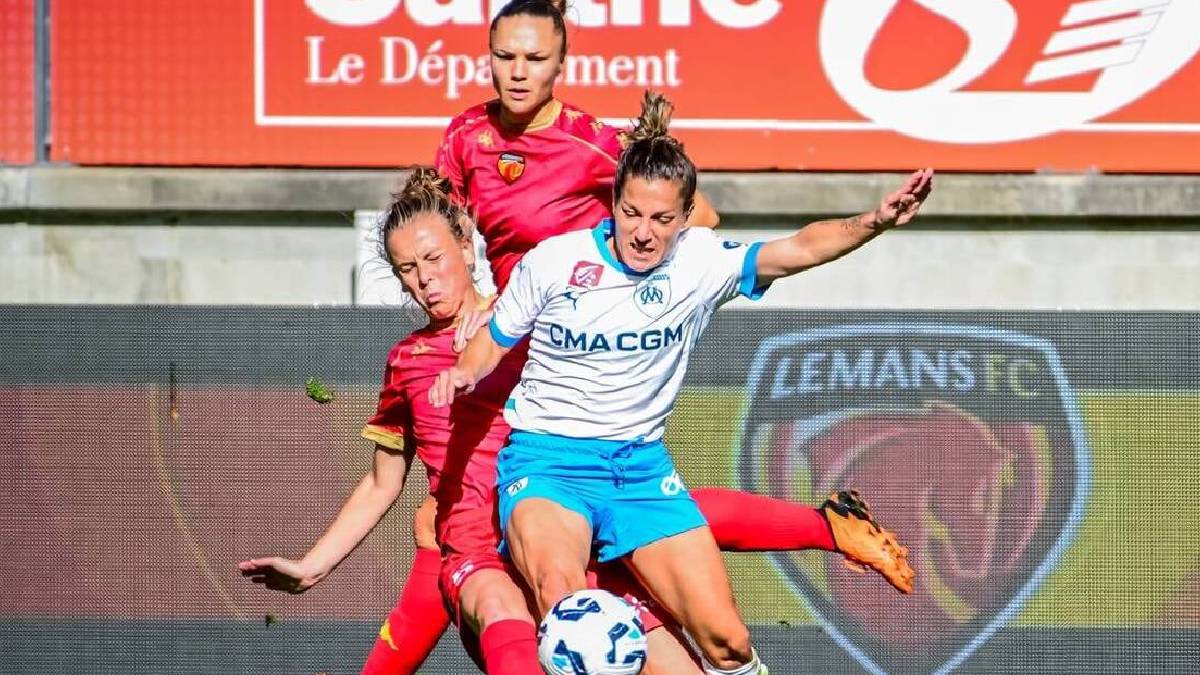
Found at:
[586, 274]
[511, 166]
[653, 295]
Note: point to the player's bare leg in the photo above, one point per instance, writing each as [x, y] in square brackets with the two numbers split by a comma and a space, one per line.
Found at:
[550, 544]
[686, 575]
[497, 610]
[864, 543]
[668, 653]
[490, 596]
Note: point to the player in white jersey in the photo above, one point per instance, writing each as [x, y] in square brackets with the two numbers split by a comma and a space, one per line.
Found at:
[612, 315]
[607, 334]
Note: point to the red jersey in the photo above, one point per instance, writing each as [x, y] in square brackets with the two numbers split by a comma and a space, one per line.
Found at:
[458, 444]
[555, 177]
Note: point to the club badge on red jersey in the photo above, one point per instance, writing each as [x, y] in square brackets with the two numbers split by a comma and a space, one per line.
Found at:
[421, 347]
[511, 166]
[586, 274]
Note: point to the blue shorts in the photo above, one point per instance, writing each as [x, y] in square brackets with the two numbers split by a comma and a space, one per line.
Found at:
[629, 492]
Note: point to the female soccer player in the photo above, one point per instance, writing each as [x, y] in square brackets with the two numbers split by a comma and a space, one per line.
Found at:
[613, 314]
[528, 166]
[427, 241]
[429, 248]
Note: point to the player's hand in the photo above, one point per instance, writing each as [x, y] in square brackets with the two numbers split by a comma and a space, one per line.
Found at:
[470, 323]
[280, 574]
[901, 206]
[448, 384]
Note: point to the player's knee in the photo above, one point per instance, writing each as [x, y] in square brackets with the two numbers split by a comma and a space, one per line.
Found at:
[496, 608]
[725, 644]
[554, 582]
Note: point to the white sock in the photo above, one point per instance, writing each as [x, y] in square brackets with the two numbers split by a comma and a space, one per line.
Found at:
[751, 668]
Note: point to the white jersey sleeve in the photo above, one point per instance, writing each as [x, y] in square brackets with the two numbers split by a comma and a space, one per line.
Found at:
[521, 302]
[731, 266]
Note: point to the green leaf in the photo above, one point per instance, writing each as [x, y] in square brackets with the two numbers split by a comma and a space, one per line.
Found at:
[317, 390]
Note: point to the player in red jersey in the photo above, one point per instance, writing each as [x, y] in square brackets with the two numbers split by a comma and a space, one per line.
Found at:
[528, 166]
[428, 246]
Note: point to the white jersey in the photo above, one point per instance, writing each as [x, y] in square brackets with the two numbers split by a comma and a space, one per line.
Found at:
[609, 346]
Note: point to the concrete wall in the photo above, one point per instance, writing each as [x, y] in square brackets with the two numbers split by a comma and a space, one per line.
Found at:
[994, 269]
[287, 237]
[957, 268]
[176, 264]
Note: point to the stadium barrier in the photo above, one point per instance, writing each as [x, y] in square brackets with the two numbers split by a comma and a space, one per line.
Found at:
[1041, 467]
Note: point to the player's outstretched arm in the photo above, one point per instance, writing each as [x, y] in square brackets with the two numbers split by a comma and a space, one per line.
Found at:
[826, 240]
[477, 361]
[363, 510]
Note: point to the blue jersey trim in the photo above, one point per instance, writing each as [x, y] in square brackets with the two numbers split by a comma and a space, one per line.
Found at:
[601, 233]
[749, 285]
[499, 336]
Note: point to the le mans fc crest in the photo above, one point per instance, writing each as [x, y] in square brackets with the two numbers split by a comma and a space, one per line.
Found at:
[511, 166]
[965, 440]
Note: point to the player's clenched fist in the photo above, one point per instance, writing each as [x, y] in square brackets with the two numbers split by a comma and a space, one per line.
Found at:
[448, 384]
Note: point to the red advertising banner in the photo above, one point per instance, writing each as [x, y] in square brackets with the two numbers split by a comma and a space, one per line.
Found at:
[989, 85]
[16, 81]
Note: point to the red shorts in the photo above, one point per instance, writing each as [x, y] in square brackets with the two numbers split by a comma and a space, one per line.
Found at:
[458, 567]
[612, 577]
[469, 545]
[469, 540]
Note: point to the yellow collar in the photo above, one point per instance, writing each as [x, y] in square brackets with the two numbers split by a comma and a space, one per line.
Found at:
[545, 117]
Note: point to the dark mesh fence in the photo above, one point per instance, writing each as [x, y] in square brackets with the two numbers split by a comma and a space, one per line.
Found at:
[1042, 467]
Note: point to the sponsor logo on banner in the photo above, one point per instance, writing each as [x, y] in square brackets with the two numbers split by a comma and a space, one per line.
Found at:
[992, 85]
[985, 71]
[440, 46]
[965, 440]
[1093, 58]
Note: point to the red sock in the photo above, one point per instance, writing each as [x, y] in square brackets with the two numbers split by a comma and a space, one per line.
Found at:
[510, 648]
[741, 521]
[415, 624]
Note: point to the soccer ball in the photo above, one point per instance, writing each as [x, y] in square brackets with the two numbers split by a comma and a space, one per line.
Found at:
[592, 632]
